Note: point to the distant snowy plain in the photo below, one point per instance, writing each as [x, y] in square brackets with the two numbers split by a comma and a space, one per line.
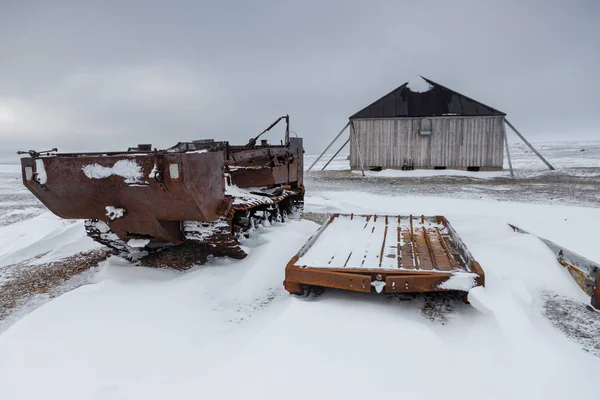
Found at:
[228, 329]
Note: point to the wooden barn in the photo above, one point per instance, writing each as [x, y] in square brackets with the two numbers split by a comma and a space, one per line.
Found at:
[423, 124]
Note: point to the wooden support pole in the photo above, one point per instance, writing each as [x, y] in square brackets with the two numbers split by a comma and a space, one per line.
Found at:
[336, 153]
[327, 148]
[508, 154]
[528, 144]
[362, 163]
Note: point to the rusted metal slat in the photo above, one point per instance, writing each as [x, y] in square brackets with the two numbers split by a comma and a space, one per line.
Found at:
[448, 254]
[429, 249]
[330, 279]
[415, 283]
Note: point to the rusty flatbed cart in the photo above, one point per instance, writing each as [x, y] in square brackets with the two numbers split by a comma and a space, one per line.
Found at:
[391, 254]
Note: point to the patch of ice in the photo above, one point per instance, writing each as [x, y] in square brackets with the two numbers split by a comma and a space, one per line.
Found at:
[419, 85]
[459, 281]
[42, 176]
[128, 169]
[114, 212]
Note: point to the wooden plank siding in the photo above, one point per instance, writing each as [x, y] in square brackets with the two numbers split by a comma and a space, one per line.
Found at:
[455, 142]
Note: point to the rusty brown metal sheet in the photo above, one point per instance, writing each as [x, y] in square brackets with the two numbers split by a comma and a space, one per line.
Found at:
[366, 242]
[415, 283]
[153, 192]
[400, 253]
[191, 187]
[337, 280]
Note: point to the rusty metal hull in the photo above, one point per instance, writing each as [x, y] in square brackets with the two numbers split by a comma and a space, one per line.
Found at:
[153, 207]
[391, 254]
[149, 195]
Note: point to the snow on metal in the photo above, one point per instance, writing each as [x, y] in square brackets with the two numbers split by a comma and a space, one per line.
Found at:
[40, 170]
[128, 169]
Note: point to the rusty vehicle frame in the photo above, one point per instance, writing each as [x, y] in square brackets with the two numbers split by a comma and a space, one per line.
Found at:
[395, 254]
[205, 191]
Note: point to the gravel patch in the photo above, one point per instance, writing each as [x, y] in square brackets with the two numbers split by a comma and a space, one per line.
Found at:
[574, 186]
[26, 281]
[576, 320]
[181, 257]
[438, 307]
[319, 218]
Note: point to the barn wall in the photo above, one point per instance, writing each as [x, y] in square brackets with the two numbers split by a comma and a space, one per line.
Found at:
[455, 142]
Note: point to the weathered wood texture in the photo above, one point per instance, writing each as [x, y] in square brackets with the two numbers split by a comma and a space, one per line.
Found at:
[455, 142]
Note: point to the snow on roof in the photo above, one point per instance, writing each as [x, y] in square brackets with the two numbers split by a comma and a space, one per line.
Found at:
[419, 85]
[421, 97]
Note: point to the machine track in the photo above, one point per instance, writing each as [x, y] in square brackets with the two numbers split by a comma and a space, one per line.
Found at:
[219, 238]
[101, 233]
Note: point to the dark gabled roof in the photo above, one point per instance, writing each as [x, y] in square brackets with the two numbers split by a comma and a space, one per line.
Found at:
[437, 101]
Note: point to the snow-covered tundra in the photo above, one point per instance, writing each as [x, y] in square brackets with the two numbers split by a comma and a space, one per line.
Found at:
[227, 329]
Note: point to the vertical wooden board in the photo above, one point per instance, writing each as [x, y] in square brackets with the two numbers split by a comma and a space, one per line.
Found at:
[500, 132]
[353, 163]
[463, 142]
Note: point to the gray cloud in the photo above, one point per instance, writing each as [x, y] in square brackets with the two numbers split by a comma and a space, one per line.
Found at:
[105, 75]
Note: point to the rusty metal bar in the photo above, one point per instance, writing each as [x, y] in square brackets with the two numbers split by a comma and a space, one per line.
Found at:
[529, 144]
[415, 283]
[431, 253]
[383, 244]
[414, 245]
[399, 245]
[335, 155]
[446, 249]
[327, 148]
[336, 280]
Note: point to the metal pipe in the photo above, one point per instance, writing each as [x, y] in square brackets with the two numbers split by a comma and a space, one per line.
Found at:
[327, 148]
[336, 153]
[528, 144]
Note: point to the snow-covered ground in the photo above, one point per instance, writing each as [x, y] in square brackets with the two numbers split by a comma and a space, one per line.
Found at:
[229, 330]
[16, 202]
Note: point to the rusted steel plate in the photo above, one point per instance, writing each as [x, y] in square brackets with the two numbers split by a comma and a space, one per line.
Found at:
[400, 253]
[385, 243]
[336, 280]
[155, 191]
[415, 283]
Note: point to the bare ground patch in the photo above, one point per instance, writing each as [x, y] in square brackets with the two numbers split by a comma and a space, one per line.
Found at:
[25, 281]
[576, 320]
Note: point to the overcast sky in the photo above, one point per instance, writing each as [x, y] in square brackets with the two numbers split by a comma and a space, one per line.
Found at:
[104, 75]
